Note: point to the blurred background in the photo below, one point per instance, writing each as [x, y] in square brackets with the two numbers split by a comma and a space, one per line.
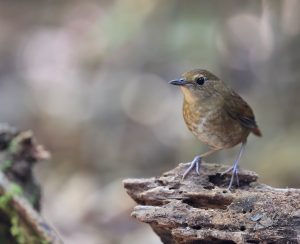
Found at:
[90, 79]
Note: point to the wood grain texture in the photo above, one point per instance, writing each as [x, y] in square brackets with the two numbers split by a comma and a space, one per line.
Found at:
[201, 210]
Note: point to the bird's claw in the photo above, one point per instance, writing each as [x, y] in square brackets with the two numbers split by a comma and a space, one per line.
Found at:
[226, 171]
[235, 171]
[235, 168]
[194, 164]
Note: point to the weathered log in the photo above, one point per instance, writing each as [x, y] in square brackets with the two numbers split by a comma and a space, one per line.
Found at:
[199, 209]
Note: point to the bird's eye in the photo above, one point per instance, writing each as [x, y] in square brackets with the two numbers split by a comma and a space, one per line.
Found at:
[200, 80]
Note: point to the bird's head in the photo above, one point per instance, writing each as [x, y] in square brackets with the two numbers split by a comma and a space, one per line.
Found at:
[197, 84]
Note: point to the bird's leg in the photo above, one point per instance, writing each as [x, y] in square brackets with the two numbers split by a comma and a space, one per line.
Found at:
[235, 167]
[197, 162]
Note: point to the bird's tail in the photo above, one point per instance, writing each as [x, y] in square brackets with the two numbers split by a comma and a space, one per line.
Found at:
[256, 131]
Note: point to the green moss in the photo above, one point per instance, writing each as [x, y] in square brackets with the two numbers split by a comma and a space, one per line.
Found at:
[45, 242]
[6, 198]
[15, 189]
[6, 164]
[19, 230]
[13, 146]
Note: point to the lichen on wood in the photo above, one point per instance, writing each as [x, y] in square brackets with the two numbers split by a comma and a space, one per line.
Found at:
[200, 209]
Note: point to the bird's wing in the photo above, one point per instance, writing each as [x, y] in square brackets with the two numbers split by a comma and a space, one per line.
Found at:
[239, 110]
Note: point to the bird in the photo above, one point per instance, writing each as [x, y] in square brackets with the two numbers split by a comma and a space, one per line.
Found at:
[216, 115]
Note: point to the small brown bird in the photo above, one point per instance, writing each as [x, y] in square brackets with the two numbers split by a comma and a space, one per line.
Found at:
[216, 115]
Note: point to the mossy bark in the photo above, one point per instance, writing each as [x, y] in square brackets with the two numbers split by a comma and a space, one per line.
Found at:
[20, 195]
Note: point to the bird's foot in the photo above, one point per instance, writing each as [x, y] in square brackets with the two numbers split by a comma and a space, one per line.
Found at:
[235, 170]
[227, 170]
[194, 164]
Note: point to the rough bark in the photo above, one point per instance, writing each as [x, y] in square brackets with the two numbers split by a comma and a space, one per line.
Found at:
[200, 209]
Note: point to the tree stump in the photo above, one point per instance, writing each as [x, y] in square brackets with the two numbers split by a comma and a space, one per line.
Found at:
[200, 209]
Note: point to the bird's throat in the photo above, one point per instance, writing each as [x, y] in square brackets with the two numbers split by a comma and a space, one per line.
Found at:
[189, 97]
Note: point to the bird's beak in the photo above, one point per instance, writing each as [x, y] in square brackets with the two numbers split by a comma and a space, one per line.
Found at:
[179, 82]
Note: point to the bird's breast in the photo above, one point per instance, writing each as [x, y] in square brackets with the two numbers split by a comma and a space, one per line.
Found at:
[213, 126]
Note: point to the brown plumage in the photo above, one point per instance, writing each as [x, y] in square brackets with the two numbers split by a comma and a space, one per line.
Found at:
[215, 114]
